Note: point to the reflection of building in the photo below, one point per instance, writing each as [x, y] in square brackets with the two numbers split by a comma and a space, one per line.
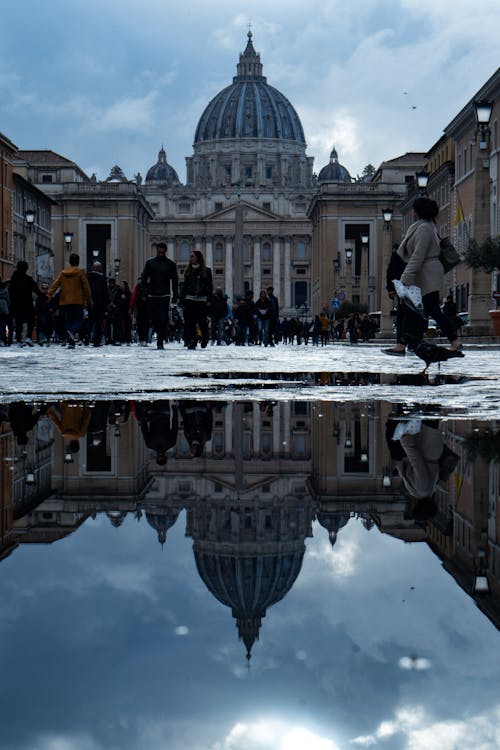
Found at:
[266, 471]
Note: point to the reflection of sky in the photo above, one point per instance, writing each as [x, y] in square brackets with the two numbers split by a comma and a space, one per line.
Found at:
[110, 642]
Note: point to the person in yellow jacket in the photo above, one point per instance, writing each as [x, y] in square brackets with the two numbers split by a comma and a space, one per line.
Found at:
[75, 295]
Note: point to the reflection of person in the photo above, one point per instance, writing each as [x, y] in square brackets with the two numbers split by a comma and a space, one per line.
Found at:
[75, 294]
[160, 283]
[197, 292]
[419, 249]
[197, 420]
[416, 448]
[23, 417]
[71, 419]
[159, 427]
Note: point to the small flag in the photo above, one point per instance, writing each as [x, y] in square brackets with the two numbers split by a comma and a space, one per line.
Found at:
[459, 213]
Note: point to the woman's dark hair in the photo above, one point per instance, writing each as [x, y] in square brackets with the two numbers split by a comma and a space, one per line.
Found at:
[425, 208]
[22, 266]
[201, 260]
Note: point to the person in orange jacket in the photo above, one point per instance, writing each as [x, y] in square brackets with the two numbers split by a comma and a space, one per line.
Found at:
[75, 295]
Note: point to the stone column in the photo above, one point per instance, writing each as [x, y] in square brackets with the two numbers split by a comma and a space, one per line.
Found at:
[287, 432]
[229, 270]
[276, 430]
[480, 282]
[171, 249]
[256, 268]
[228, 428]
[277, 269]
[386, 303]
[256, 428]
[209, 252]
[288, 275]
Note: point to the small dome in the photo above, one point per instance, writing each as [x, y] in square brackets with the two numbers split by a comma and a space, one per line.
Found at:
[332, 522]
[162, 171]
[162, 522]
[334, 172]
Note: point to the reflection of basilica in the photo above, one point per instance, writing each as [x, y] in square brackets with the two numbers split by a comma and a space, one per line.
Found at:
[251, 477]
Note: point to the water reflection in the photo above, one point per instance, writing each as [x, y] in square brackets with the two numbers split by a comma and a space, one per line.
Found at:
[252, 478]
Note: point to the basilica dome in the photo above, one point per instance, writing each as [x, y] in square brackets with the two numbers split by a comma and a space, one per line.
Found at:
[334, 172]
[249, 108]
[162, 171]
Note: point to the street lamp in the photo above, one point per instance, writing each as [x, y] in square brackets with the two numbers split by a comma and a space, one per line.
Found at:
[364, 239]
[117, 263]
[422, 180]
[364, 456]
[95, 254]
[68, 239]
[30, 478]
[387, 214]
[29, 215]
[68, 456]
[348, 254]
[482, 112]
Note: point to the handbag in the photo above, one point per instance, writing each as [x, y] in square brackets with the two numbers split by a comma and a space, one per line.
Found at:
[449, 256]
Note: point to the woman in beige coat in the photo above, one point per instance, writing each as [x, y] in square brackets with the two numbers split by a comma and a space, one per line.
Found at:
[419, 249]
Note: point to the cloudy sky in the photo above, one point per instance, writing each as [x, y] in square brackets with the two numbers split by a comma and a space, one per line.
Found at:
[107, 82]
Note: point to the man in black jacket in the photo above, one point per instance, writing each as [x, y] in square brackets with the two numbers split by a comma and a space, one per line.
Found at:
[160, 281]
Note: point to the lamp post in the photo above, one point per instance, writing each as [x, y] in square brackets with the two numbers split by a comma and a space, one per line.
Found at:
[385, 300]
[348, 255]
[68, 239]
[29, 215]
[422, 181]
[482, 112]
[365, 239]
[117, 264]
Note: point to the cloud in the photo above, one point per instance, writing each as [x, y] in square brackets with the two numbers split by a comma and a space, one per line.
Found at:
[420, 732]
[264, 734]
[65, 742]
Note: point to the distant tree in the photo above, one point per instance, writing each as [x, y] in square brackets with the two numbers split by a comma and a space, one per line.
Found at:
[484, 256]
[367, 173]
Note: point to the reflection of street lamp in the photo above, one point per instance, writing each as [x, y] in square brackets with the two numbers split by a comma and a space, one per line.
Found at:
[30, 478]
[117, 263]
[422, 180]
[482, 113]
[348, 441]
[68, 239]
[364, 456]
[68, 456]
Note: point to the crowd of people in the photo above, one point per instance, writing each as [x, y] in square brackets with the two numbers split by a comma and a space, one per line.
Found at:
[87, 308]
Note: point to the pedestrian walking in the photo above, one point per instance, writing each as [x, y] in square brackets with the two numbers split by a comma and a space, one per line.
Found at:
[275, 316]
[196, 295]
[263, 310]
[324, 323]
[4, 312]
[139, 307]
[43, 316]
[420, 250]
[22, 287]
[160, 282]
[219, 310]
[75, 294]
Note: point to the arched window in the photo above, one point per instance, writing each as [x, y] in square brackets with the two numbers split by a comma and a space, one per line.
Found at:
[300, 293]
[266, 253]
[185, 251]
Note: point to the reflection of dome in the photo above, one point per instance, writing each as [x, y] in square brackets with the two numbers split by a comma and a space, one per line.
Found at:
[332, 522]
[116, 517]
[162, 522]
[334, 172]
[249, 585]
[162, 171]
[249, 108]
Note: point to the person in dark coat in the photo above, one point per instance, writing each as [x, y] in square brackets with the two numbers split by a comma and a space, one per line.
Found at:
[242, 315]
[196, 298]
[275, 316]
[160, 282]
[139, 306]
[197, 420]
[21, 290]
[100, 296]
[263, 311]
[113, 327]
[4, 312]
[159, 427]
[219, 311]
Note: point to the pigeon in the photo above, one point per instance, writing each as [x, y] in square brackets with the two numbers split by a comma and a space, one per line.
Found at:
[430, 353]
